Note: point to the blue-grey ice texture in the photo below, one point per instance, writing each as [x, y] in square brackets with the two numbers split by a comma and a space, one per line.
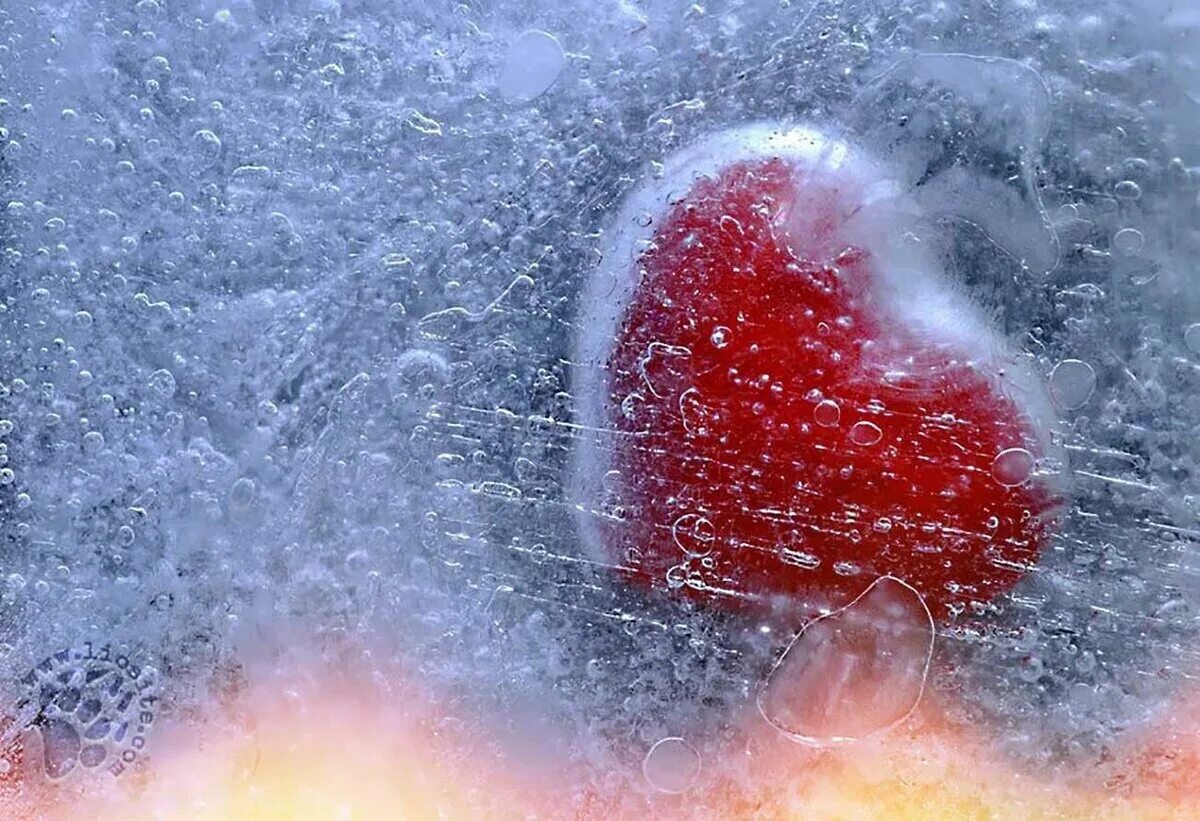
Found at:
[288, 290]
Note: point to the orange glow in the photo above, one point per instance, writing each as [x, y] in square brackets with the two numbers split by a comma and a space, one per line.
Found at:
[324, 746]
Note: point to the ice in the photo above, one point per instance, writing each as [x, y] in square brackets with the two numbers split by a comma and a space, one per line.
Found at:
[295, 307]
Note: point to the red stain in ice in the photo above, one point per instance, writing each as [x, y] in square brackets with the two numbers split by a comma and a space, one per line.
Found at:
[785, 434]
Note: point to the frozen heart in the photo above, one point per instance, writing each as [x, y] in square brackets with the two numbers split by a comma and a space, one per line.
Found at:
[796, 399]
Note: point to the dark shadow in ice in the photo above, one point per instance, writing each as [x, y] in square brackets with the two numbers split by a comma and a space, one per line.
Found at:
[967, 133]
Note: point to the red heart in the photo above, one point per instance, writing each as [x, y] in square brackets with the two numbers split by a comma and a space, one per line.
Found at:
[796, 412]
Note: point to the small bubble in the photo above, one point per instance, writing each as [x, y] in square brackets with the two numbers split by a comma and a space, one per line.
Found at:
[865, 434]
[827, 413]
[672, 765]
[676, 577]
[1013, 467]
[1127, 190]
[7, 476]
[693, 534]
[1191, 338]
[210, 143]
[162, 382]
[1072, 383]
[1030, 669]
[720, 336]
[1128, 241]
[125, 535]
[241, 495]
[93, 441]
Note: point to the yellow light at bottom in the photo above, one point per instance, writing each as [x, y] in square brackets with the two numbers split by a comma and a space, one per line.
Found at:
[331, 749]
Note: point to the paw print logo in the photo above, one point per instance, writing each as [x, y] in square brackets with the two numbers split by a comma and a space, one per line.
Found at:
[90, 709]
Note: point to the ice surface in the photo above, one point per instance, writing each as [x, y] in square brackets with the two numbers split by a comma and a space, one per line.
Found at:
[288, 306]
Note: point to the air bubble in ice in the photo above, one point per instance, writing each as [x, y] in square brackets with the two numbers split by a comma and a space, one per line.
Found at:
[1012, 467]
[209, 142]
[1030, 669]
[1072, 383]
[93, 441]
[162, 382]
[1128, 241]
[693, 534]
[720, 336]
[1127, 190]
[241, 495]
[418, 366]
[676, 576]
[533, 62]
[865, 434]
[854, 672]
[827, 413]
[672, 765]
[1191, 337]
